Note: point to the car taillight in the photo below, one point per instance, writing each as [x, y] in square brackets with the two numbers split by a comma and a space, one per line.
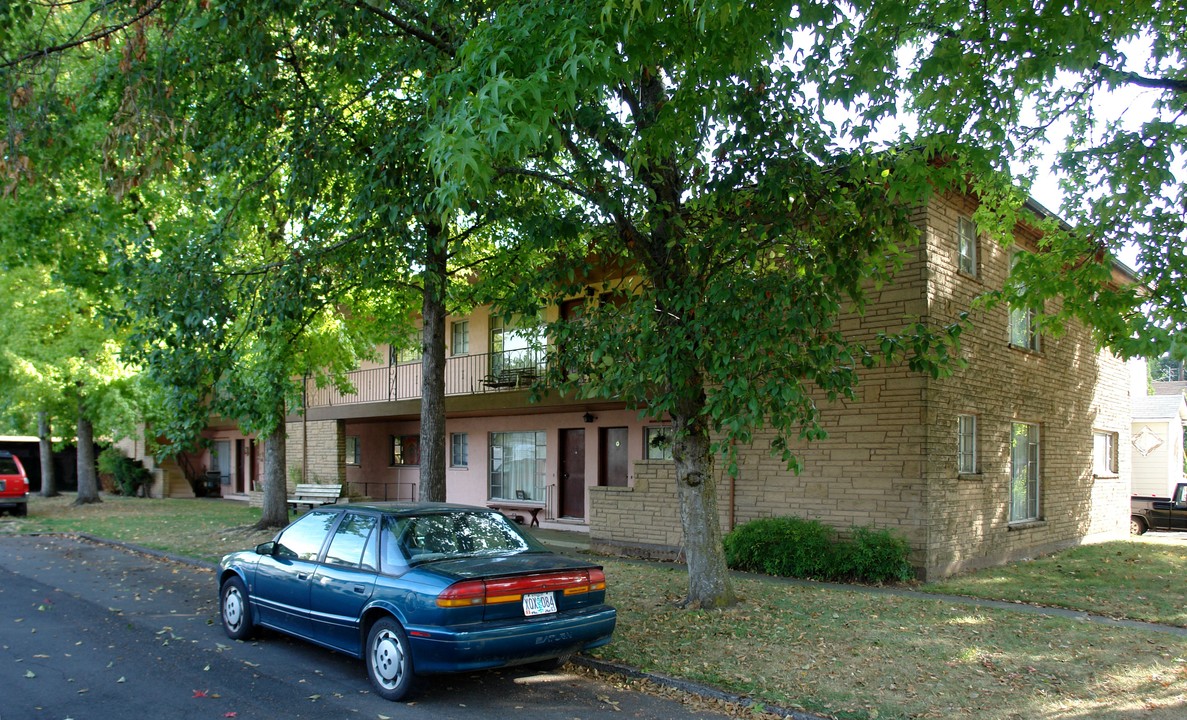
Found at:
[469, 593]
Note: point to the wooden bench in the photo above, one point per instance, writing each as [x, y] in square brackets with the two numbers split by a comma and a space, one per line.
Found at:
[315, 494]
[512, 507]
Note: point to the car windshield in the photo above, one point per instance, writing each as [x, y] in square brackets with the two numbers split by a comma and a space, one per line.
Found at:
[442, 536]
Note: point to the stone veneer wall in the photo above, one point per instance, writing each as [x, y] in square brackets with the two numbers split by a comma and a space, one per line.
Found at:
[326, 456]
[890, 458]
[1069, 389]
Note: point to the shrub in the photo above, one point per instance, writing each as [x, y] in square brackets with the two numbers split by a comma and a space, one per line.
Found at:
[799, 548]
[785, 546]
[877, 556]
[128, 475]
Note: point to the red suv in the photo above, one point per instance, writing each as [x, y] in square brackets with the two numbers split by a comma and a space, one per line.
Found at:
[14, 486]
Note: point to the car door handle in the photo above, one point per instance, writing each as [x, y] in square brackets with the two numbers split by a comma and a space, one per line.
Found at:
[302, 576]
[360, 589]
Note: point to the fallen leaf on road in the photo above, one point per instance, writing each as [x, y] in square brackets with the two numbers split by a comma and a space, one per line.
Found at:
[30, 674]
[201, 693]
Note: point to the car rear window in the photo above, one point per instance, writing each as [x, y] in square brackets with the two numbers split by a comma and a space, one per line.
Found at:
[460, 534]
[8, 466]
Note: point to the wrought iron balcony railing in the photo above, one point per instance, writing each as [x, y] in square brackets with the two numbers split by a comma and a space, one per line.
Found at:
[464, 375]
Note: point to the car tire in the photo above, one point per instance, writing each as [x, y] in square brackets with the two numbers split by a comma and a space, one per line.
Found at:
[553, 664]
[20, 510]
[1137, 526]
[389, 662]
[235, 610]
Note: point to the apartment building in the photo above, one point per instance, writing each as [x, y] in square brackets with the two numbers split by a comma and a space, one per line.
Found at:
[1024, 451]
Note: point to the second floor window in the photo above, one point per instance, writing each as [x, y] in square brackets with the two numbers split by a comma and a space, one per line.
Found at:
[1024, 332]
[405, 449]
[966, 241]
[459, 337]
[409, 354]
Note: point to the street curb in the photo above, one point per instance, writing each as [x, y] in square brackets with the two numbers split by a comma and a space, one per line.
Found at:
[691, 688]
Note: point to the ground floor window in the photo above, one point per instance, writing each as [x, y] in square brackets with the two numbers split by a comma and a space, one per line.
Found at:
[966, 444]
[353, 453]
[405, 449]
[1104, 453]
[658, 441]
[459, 450]
[1024, 472]
[517, 462]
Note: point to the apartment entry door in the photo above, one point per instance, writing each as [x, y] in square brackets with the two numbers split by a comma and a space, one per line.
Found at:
[572, 472]
[615, 460]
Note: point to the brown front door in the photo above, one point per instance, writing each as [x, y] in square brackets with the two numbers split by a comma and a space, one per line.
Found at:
[572, 469]
[614, 459]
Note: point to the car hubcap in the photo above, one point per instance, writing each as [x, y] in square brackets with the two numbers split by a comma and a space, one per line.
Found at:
[388, 658]
[233, 608]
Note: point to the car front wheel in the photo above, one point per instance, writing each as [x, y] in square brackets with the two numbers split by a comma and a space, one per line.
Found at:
[235, 609]
[389, 664]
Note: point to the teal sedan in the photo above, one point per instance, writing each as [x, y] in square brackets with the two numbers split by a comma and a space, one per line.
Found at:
[415, 589]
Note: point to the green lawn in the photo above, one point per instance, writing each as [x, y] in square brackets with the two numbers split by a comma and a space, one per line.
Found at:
[844, 653]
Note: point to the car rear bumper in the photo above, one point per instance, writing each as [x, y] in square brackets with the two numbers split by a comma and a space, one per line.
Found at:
[10, 501]
[489, 645]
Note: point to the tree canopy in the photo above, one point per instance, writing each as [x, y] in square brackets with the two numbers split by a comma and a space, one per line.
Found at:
[277, 177]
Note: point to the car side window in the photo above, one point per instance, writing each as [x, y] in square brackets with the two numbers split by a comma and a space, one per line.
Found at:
[303, 539]
[391, 558]
[350, 546]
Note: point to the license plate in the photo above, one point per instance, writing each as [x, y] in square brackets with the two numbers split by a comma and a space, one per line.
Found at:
[539, 604]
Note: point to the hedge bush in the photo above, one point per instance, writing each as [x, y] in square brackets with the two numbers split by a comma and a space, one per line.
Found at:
[129, 475]
[799, 548]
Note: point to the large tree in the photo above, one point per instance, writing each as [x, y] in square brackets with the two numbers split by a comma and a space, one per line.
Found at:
[689, 140]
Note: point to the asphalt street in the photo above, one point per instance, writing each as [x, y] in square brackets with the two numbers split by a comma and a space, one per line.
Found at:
[90, 631]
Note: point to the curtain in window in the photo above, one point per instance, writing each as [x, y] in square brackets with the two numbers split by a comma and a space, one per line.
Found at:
[517, 466]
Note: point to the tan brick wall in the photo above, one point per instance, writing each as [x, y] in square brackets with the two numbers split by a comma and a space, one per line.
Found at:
[326, 455]
[890, 458]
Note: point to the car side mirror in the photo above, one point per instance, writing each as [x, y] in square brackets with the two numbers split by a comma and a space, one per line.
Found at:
[266, 548]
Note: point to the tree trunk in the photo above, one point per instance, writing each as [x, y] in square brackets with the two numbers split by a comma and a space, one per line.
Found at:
[275, 512]
[432, 406]
[708, 576]
[49, 481]
[88, 475]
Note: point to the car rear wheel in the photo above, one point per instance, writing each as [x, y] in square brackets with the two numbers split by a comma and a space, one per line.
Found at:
[554, 663]
[1137, 526]
[389, 664]
[20, 510]
[235, 609]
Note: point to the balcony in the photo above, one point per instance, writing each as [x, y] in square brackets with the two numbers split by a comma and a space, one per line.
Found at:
[464, 375]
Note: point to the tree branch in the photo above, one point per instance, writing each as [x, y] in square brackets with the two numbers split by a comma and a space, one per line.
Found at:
[1131, 78]
[407, 28]
[97, 35]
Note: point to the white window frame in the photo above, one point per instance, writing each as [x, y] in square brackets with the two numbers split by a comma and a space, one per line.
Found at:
[459, 450]
[518, 462]
[1104, 453]
[967, 245]
[1024, 332]
[657, 442]
[966, 444]
[459, 337]
[1024, 472]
